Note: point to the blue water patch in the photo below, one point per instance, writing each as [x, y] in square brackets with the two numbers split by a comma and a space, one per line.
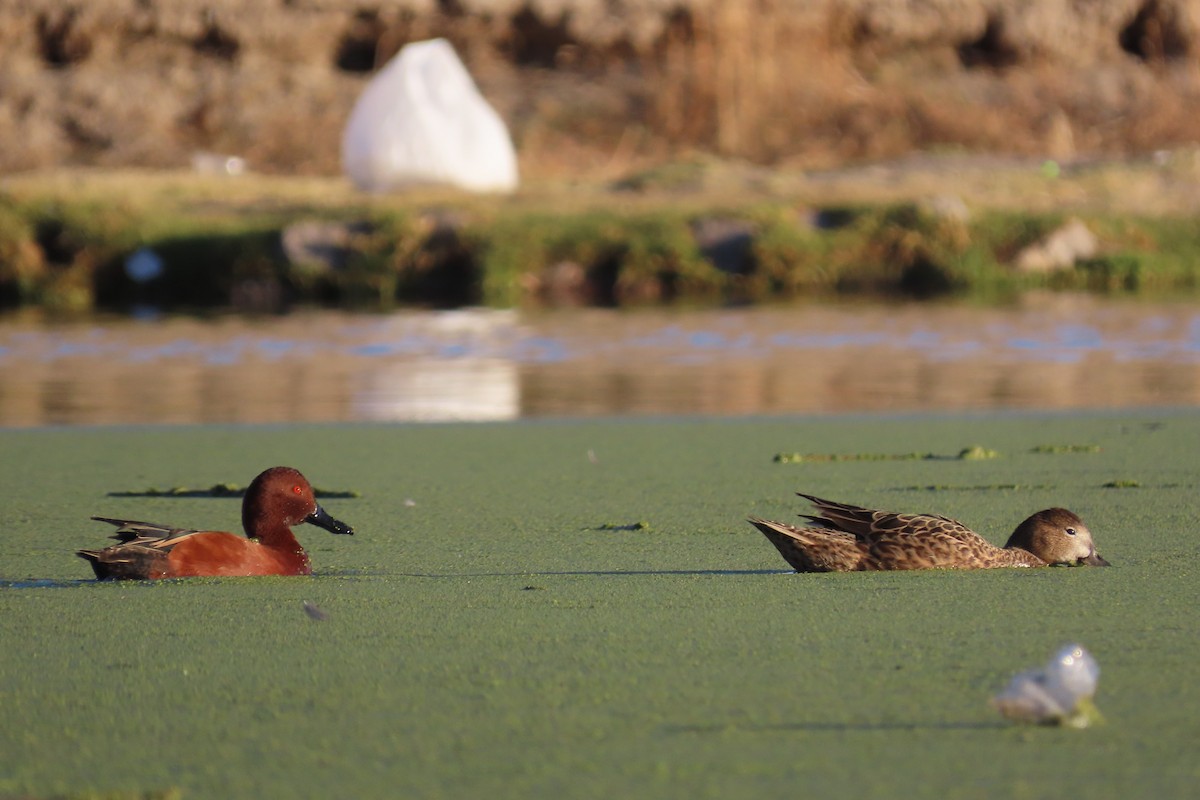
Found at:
[692, 359]
[955, 351]
[1080, 336]
[541, 350]
[826, 341]
[224, 356]
[69, 349]
[1061, 357]
[146, 355]
[374, 350]
[47, 583]
[1144, 351]
[921, 340]
[1157, 324]
[276, 348]
[664, 337]
[179, 347]
[1193, 334]
[706, 339]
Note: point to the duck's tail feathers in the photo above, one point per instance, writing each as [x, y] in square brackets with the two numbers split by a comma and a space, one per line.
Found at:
[125, 563]
[811, 549]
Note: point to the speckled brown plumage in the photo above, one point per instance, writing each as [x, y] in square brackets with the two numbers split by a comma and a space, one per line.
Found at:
[846, 538]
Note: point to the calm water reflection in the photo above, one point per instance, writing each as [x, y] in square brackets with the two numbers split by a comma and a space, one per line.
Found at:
[1049, 352]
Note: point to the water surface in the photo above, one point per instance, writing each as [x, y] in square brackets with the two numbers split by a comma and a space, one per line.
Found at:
[491, 631]
[1048, 352]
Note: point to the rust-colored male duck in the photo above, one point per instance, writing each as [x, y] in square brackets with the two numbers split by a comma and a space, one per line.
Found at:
[276, 500]
[846, 538]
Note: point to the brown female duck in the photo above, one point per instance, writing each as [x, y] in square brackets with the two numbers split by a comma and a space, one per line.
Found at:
[846, 538]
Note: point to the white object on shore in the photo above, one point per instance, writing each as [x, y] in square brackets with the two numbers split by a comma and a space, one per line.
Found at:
[207, 163]
[1060, 249]
[422, 120]
[1058, 694]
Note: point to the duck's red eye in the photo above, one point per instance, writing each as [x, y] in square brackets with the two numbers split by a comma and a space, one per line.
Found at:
[297, 490]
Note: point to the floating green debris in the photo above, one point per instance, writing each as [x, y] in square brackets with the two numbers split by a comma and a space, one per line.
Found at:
[223, 490]
[218, 490]
[1123, 484]
[1058, 449]
[314, 611]
[990, 487]
[972, 453]
[632, 526]
[800, 458]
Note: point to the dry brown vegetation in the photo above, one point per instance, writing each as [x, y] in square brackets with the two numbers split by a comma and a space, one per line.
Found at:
[598, 88]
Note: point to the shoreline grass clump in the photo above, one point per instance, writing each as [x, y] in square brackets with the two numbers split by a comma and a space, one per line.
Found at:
[598, 258]
[65, 253]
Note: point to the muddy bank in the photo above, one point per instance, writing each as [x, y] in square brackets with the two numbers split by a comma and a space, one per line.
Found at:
[597, 87]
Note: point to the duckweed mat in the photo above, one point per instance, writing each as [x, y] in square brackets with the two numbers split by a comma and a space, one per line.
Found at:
[500, 628]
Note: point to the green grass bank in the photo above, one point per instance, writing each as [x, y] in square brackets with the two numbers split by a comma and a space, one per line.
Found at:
[500, 625]
[673, 235]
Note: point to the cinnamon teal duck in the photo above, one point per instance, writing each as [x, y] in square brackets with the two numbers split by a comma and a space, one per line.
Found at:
[846, 538]
[276, 500]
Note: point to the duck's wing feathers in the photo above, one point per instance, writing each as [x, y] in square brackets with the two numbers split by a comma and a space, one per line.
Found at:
[146, 534]
[869, 525]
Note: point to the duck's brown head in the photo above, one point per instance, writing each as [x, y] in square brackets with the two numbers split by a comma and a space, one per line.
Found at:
[282, 495]
[1057, 536]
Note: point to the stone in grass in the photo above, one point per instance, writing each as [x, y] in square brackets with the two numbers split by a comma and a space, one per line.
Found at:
[317, 247]
[725, 241]
[1059, 250]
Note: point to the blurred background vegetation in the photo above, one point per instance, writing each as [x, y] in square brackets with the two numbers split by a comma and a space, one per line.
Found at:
[696, 151]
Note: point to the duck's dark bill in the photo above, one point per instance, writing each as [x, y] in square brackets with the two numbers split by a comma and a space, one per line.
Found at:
[323, 520]
[1094, 560]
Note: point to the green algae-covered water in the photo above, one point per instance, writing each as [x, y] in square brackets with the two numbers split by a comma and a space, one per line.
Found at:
[503, 626]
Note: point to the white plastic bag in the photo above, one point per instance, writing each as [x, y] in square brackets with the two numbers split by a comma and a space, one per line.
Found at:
[421, 119]
[1058, 694]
